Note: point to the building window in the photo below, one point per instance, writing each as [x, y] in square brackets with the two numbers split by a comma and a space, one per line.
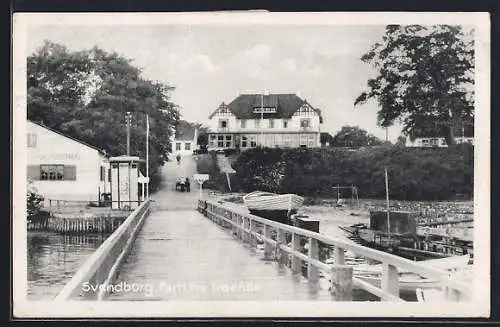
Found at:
[311, 141]
[303, 140]
[285, 123]
[57, 172]
[220, 141]
[31, 140]
[222, 123]
[271, 123]
[228, 141]
[244, 141]
[443, 142]
[103, 173]
[212, 141]
[287, 141]
[256, 123]
[264, 110]
[243, 123]
[187, 146]
[253, 142]
[305, 123]
[178, 146]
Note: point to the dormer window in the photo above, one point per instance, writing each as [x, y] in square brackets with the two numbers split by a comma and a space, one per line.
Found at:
[265, 110]
[223, 123]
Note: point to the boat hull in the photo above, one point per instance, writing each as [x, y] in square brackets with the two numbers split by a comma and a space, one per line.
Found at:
[280, 216]
[265, 200]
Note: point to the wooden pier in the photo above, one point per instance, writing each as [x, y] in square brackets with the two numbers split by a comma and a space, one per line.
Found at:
[247, 228]
[76, 225]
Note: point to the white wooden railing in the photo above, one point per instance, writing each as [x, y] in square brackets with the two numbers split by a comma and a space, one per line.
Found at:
[248, 227]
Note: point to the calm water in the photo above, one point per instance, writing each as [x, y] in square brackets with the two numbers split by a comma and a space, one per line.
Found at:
[53, 259]
[330, 219]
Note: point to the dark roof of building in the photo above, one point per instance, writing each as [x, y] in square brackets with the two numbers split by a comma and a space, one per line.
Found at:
[184, 131]
[102, 151]
[286, 105]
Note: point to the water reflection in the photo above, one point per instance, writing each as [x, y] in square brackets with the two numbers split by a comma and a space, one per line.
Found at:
[53, 259]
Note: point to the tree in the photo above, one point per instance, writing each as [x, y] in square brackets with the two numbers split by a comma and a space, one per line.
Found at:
[85, 94]
[33, 201]
[401, 141]
[353, 136]
[325, 138]
[425, 78]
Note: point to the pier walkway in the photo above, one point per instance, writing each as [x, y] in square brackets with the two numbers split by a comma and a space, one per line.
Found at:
[181, 255]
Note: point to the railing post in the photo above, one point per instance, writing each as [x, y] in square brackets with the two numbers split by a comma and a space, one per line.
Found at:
[243, 229]
[313, 253]
[267, 245]
[281, 240]
[296, 262]
[252, 238]
[341, 283]
[390, 279]
[339, 256]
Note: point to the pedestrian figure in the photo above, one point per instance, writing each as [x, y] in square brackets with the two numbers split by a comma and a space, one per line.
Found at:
[178, 159]
[188, 185]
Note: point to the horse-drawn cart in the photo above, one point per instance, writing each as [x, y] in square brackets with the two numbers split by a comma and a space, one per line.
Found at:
[183, 184]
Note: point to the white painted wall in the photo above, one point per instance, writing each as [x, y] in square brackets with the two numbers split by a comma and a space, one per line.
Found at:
[441, 141]
[234, 125]
[53, 148]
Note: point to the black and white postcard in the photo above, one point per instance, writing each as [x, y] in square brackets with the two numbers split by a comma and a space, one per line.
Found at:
[251, 164]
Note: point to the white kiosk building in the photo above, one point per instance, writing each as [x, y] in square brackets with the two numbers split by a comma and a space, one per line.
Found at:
[124, 182]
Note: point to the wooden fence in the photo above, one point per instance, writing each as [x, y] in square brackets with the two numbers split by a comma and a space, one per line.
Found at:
[248, 228]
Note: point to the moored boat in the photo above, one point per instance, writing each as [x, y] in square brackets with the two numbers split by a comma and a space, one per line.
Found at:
[277, 207]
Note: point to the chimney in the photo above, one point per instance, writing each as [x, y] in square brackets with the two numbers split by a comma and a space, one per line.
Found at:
[266, 92]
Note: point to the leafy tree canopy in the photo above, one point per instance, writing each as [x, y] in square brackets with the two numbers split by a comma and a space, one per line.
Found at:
[86, 94]
[353, 136]
[425, 78]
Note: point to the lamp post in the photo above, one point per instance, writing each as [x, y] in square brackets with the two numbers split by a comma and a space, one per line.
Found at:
[128, 119]
[147, 156]
[261, 119]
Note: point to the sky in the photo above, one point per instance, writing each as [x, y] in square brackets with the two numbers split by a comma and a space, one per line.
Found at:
[210, 64]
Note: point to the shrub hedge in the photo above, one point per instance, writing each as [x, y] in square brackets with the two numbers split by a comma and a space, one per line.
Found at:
[414, 173]
[207, 164]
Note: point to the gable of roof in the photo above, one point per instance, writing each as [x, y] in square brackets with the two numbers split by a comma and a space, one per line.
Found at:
[184, 131]
[101, 151]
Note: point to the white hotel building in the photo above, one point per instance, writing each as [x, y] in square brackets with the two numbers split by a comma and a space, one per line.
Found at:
[64, 168]
[273, 120]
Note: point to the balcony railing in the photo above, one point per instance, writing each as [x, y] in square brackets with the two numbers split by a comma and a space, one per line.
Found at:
[222, 129]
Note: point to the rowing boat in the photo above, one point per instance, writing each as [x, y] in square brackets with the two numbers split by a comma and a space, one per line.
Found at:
[277, 207]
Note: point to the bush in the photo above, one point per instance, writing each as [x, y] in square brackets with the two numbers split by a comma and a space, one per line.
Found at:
[207, 164]
[34, 201]
[414, 173]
